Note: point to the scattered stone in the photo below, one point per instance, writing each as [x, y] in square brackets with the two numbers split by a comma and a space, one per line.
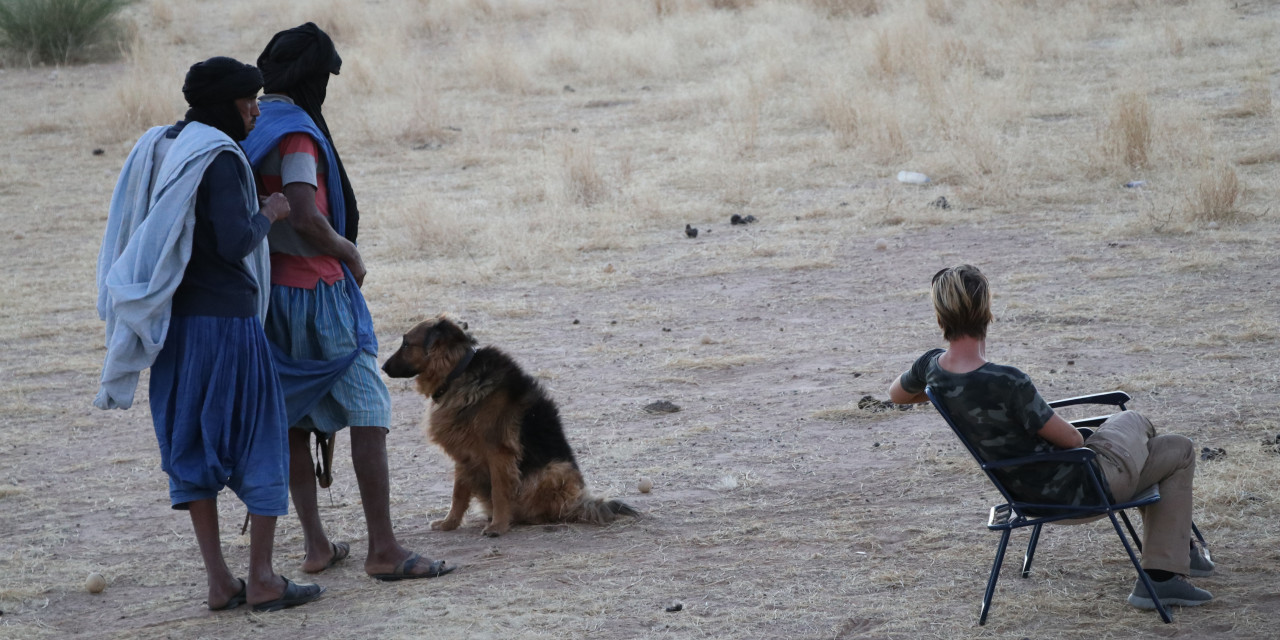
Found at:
[666, 330]
[98, 152]
[645, 485]
[575, 321]
[941, 203]
[661, 406]
[736, 219]
[875, 445]
[690, 231]
[608, 268]
[568, 89]
[676, 605]
[881, 244]
[1210, 453]
[1071, 363]
[95, 583]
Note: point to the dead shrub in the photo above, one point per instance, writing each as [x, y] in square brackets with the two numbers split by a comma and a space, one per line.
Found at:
[583, 182]
[1127, 137]
[1214, 199]
[859, 8]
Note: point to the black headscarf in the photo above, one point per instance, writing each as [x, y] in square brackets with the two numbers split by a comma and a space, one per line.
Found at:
[298, 62]
[212, 88]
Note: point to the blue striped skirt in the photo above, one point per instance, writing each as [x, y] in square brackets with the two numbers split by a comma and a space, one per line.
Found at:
[219, 414]
[318, 324]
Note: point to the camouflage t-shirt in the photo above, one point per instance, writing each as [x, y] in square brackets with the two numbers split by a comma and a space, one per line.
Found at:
[1001, 413]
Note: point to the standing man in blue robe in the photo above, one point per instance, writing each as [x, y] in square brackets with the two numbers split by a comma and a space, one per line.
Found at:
[319, 323]
[181, 284]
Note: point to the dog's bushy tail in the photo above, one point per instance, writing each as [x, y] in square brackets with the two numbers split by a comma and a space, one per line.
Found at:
[601, 511]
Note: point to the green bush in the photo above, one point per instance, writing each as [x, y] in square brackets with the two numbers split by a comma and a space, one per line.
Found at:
[56, 31]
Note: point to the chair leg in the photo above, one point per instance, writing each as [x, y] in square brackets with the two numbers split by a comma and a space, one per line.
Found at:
[1031, 551]
[1142, 575]
[995, 574]
[1132, 531]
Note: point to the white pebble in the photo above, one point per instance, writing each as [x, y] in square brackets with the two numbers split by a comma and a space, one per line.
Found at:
[882, 244]
[646, 485]
[95, 583]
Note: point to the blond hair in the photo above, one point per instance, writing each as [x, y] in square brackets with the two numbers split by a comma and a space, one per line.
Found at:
[962, 302]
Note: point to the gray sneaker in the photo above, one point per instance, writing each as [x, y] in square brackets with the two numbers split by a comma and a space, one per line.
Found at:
[1175, 590]
[1201, 565]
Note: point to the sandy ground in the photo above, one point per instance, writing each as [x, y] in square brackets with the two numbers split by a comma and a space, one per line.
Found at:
[779, 508]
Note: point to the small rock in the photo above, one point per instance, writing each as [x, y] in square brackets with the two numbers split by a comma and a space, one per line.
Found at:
[690, 231]
[608, 268]
[881, 244]
[676, 605]
[575, 321]
[95, 583]
[1213, 224]
[941, 203]
[568, 89]
[645, 485]
[875, 445]
[1070, 362]
[661, 406]
[98, 152]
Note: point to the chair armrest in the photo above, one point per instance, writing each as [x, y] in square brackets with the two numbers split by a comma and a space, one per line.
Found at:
[1089, 422]
[1062, 455]
[1116, 398]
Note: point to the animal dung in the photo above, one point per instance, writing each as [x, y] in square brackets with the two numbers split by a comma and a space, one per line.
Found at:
[661, 406]
[881, 244]
[675, 606]
[691, 231]
[645, 485]
[95, 583]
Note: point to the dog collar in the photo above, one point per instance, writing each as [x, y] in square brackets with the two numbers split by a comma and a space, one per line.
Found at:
[458, 370]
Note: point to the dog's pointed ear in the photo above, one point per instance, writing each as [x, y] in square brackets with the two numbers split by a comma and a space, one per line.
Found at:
[432, 335]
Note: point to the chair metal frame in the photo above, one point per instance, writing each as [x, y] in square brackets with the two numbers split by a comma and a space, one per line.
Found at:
[1014, 514]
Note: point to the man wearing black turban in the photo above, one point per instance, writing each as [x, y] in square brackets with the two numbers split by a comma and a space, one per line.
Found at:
[186, 221]
[318, 319]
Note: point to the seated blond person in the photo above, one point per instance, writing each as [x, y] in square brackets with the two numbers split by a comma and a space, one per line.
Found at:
[1005, 417]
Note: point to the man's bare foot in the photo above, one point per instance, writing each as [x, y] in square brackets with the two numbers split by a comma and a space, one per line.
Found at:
[283, 594]
[338, 551]
[411, 567]
[227, 596]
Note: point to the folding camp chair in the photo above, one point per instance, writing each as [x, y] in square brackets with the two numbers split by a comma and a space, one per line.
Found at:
[1015, 514]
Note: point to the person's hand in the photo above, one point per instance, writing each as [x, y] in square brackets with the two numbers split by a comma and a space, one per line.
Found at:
[356, 265]
[275, 207]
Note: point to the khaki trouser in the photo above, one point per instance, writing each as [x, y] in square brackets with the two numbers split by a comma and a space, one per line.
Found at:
[1132, 457]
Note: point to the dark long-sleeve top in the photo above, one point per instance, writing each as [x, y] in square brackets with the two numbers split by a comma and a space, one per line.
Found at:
[216, 282]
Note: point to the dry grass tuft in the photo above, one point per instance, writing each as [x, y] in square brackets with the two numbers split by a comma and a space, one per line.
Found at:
[1215, 195]
[147, 94]
[583, 183]
[1127, 137]
[856, 8]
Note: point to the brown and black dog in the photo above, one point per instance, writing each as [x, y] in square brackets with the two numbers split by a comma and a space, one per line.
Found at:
[502, 431]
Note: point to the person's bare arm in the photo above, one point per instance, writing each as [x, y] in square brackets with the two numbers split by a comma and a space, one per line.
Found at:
[1061, 434]
[898, 395]
[307, 220]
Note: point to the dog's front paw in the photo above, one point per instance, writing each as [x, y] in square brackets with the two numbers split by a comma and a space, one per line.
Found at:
[444, 525]
[493, 532]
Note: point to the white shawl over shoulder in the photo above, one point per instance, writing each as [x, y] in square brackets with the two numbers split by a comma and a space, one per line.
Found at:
[146, 248]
